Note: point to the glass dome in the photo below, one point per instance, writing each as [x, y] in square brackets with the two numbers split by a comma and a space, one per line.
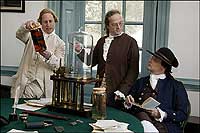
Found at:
[79, 55]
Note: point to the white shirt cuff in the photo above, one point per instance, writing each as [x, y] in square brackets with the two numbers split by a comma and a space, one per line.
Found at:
[162, 115]
[127, 106]
[53, 61]
[120, 94]
[149, 127]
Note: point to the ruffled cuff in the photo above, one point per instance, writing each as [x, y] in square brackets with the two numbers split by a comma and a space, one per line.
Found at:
[162, 115]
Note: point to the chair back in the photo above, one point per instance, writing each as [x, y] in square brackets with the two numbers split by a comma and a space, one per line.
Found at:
[183, 123]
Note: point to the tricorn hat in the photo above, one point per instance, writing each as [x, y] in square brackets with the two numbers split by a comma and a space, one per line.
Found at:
[166, 55]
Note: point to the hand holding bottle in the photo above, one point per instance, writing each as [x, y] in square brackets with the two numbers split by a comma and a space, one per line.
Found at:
[31, 25]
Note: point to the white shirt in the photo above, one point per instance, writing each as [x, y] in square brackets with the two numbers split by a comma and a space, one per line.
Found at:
[154, 79]
[46, 36]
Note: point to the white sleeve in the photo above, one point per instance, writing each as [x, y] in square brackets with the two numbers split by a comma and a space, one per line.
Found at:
[23, 34]
[53, 61]
[120, 94]
[56, 56]
[149, 127]
[162, 115]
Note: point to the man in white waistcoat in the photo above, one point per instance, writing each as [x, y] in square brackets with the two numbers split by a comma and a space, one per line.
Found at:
[33, 75]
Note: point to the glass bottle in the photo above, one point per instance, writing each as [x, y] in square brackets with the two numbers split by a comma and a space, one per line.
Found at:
[99, 103]
[38, 38]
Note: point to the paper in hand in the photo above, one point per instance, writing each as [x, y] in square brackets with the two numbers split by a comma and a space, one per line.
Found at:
[120, 94]
[149, 104]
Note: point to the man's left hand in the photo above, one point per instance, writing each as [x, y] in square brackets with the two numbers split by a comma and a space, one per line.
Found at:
[154, 113]
[46, 54]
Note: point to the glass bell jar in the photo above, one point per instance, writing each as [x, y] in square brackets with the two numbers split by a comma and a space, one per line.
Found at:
[79, 55]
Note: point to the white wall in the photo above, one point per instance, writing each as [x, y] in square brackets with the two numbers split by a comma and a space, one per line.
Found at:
[11, 48]
[184, 37]
[194, 100]
[184, 41]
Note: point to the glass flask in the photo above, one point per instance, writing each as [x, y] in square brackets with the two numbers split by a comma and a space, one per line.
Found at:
[79, 55]
[99, 103]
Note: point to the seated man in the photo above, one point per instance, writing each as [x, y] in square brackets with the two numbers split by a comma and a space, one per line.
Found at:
[160, 85]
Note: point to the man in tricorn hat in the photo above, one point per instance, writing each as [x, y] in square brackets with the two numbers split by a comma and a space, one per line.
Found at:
[160, 85]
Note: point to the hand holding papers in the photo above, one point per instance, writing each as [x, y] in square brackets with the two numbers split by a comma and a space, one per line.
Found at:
[149, 104]
[120, 95]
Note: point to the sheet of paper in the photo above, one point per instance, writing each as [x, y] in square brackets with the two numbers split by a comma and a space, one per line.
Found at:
[120, 94]
[109, 126]
[39, 103]
[24, 106]
[105, 124]
[21, 131]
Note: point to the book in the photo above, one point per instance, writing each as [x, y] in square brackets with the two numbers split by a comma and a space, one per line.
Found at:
[38, 40]
[149, 104]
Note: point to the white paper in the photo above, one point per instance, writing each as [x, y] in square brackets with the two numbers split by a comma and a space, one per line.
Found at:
[24, 106]
[120, 94]
[109, 126]
[149, 127]
[105, 124]
[39, 103]
[21, 131]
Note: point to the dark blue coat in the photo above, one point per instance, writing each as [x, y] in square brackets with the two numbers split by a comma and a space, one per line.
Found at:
[173, 98]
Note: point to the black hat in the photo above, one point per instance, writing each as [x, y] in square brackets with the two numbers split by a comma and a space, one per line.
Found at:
[166, 55]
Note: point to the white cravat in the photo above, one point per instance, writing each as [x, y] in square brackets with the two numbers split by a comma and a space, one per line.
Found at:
[154, 79]
[107, 43]
[46, 36]
[106, 46]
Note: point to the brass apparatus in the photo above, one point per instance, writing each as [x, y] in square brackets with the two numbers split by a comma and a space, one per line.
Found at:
[68, 93]
[69, 81]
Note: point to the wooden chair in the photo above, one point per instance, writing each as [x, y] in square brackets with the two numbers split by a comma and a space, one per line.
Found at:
[183, 123]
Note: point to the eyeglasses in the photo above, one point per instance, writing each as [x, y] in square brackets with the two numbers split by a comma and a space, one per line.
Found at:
[117, 24]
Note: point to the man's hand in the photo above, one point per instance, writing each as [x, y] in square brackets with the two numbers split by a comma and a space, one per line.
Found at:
[30, 25]
[46, 54]
[119, 95]
[154, 113]
[129, 100]
[78, 47]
